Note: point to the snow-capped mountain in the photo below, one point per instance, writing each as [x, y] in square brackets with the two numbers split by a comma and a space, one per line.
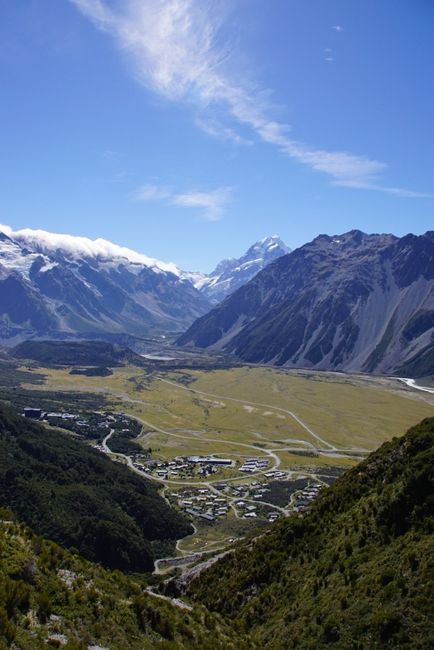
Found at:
[353, 302]
[52, 284]
[229, 275]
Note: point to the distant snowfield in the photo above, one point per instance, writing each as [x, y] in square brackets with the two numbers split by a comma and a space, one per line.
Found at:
[412, 384]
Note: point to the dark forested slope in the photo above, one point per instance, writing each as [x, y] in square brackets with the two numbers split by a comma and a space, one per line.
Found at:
[77, 497]
[73, 353]
[356, 572]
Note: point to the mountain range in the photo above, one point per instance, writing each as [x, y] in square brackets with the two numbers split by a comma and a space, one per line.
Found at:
[55, 285]
[353, 302]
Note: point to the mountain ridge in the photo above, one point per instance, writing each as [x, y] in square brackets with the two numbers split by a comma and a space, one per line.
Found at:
[52, 284]
[58, 285]
[351, 302]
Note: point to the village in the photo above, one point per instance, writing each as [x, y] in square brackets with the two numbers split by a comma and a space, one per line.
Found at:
[247, 501]
[216, 498]
[92, 426]
[188, 467]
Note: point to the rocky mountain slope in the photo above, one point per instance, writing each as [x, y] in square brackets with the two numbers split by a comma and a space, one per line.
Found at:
[229, 275]
[357, 571]
[353, 302]
[58, 285]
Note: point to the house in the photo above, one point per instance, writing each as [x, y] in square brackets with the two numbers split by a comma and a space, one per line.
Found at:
[32, 413]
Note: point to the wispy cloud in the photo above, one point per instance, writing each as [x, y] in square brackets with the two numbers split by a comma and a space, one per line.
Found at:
[211, 204]
[151, 193]
[175, 50]
[395, 191]
[216, 129]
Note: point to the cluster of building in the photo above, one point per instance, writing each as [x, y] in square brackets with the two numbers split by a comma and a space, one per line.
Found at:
[184, 467]
[202, 503]
[277, 474]
[253, 490]
[92, 425]
[247, 492]
[39, 414]
[304, 498]
[252, 465]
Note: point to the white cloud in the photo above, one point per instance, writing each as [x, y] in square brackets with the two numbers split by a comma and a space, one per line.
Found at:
[7, 230]
[211, 203]
[396, 191]
[217, 130]
[174, 48]
[43, 241]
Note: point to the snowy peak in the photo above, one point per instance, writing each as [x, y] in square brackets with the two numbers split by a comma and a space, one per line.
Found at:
[60, 285]
[269, 244]
[41, 241]
[230, 274]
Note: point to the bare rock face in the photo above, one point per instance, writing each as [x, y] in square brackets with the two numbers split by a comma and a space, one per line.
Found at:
[353, 302]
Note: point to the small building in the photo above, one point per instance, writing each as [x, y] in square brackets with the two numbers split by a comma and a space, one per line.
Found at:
[209, 461]
[33, 413]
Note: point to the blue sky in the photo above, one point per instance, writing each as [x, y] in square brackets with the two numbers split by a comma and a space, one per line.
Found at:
[188, 129]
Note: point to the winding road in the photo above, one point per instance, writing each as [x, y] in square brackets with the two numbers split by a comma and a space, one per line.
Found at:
[323, 447]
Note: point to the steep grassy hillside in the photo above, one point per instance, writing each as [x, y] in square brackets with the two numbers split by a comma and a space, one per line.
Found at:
[50, 598]
[77, 497]
[356, 572]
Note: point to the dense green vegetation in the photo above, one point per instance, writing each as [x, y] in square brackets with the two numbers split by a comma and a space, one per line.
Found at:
[79, 498]
[50, 597]
[76, 353]
[356, 572]
[93, 371]
[123, 439]
[12, 392]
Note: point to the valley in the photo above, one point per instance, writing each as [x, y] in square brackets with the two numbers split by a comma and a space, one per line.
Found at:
[240, 447]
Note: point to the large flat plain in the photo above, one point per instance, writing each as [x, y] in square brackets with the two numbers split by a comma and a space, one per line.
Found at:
[244, 411]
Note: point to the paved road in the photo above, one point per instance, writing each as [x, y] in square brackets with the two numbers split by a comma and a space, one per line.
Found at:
[177, 602]
[105, 441]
